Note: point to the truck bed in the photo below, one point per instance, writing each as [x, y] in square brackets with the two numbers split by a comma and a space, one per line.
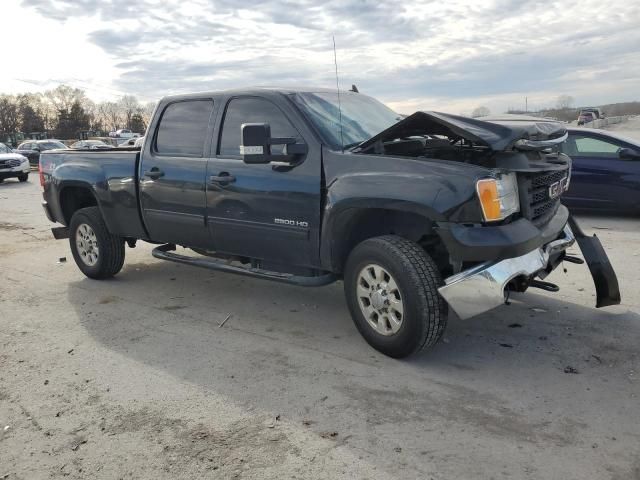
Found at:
[113, 177]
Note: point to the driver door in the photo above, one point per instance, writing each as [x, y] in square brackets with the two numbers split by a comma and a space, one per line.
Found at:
[263, 211]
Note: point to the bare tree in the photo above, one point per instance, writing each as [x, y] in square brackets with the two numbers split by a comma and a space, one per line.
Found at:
[128, 106]
[147, 112]
[32, 112]
[564, 102]
[9, 114]
[113, 117]
[480, 111]
[63, 97]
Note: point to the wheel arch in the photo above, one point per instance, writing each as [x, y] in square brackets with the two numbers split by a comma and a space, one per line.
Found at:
[348, 226]
[74, 196]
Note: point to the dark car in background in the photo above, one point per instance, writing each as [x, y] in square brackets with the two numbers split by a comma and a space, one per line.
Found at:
[32, 148]
[606, 171]
[606, 166]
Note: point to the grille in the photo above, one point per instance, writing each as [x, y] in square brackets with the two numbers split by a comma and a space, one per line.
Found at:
[546, 179]
[535, 201]
[9, 163]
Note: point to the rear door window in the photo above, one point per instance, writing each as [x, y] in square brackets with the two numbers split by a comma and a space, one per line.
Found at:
[183, 128]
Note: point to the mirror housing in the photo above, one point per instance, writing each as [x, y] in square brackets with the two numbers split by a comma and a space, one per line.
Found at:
[257, 141]
[628, 154]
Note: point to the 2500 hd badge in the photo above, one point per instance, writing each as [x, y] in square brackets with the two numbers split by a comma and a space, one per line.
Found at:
[417, 215]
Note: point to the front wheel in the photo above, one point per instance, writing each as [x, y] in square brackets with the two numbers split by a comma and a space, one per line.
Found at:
[98, 253]
[24, 177]
[391, 286]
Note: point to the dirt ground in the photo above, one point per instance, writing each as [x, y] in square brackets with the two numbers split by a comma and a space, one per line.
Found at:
[134, 378]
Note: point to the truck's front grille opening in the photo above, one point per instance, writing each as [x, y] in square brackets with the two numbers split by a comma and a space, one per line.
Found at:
[536, 190]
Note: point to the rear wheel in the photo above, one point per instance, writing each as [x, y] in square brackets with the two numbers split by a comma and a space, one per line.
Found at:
[98, 253]
[391, 285]
[24, 177]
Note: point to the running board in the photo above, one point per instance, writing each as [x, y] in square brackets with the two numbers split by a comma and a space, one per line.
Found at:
[165, 252]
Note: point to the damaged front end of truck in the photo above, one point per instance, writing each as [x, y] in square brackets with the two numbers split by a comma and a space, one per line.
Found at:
[526, 230]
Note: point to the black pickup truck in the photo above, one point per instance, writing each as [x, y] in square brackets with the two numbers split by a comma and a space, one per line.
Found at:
[307, 186]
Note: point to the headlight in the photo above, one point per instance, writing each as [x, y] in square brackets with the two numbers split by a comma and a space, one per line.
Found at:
[498, 197]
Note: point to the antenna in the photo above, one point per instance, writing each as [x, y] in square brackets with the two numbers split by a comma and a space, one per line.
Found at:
[335, 60]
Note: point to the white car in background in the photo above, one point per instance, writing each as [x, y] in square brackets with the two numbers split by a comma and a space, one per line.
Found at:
[122, 133]
[13, 164]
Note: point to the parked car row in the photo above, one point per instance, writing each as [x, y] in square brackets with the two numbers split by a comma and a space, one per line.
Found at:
[32, 148]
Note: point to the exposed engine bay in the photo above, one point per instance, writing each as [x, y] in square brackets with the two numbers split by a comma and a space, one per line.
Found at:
[450, 137]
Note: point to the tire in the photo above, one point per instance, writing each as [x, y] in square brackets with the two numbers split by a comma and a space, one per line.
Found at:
[405, 265]
[24, 177]
[108, 258]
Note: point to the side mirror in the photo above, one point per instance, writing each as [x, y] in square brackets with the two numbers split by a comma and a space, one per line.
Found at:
[255, 143]
[628, 154]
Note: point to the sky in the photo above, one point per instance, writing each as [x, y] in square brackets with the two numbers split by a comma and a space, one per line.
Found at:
[450, 56]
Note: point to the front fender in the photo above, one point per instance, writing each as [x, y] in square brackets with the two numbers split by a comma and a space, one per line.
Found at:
[434, 199]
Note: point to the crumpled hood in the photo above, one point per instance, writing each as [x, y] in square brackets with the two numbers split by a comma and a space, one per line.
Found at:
[498, 135]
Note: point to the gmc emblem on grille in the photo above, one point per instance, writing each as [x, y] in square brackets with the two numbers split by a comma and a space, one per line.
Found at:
[555, 189]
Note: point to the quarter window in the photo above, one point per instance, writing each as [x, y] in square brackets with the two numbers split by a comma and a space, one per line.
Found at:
[252, 110]
[183, 128]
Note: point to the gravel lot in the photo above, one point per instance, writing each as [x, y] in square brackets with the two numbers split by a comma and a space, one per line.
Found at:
[134, 378]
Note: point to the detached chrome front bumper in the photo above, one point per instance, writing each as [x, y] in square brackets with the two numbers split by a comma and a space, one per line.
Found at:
[482, 287]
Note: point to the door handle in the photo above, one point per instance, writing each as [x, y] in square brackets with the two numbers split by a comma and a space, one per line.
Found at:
[154, 173]
[223, 178]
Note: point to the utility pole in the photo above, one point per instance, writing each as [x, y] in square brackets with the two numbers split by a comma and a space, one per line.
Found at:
[526, 104]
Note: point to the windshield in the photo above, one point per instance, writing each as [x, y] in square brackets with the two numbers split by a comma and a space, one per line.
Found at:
[362, 116]
[52, 145]
[4, 148]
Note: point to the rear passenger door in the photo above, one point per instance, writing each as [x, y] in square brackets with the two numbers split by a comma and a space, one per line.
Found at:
[268, 212]
[172, 174]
